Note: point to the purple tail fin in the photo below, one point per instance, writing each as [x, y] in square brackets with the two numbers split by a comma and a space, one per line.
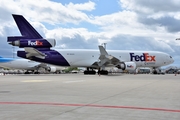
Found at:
[25, 28]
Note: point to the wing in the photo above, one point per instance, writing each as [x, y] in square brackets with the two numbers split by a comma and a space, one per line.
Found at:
[105, 59]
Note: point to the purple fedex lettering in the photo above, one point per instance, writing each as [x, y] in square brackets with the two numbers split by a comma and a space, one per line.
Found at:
[144, 57]
[137, 57]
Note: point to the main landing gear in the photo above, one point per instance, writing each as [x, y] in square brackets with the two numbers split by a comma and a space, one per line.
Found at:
[102, 72]
[89, 72]
[93, 72]
[34, 72]
[27, 72]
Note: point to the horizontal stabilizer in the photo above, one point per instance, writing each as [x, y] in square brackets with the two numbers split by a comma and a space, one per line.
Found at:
[32, 52]
[14, 38]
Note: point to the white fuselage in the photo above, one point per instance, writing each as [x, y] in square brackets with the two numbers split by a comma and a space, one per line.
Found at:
[85, 58]
[18, 63]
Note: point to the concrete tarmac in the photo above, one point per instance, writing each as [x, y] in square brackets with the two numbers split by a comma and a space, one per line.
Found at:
[90, 97]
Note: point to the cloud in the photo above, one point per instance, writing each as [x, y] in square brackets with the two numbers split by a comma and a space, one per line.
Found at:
[171, 24]
[74, 38]
[151, 6]
[40, 28]
[118, 18]
[42, 10]
[128, 42]
[5, 49]
[89, 6]
[77, 42]
[157, 13]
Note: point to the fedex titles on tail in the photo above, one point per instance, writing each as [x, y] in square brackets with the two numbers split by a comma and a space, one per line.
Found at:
[36, 43]
[144, 57]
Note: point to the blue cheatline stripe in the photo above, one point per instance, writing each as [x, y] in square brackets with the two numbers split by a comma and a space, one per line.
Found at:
[2, 60]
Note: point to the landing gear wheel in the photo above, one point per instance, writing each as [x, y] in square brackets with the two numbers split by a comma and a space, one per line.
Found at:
[154, 72]
[103, 72]
[36, 72]
[87, 72]
[26, 72]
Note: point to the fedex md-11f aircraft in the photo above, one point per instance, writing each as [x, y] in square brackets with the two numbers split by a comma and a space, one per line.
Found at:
[39, 49]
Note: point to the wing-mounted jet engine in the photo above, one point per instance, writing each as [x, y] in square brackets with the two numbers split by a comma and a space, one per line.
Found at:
[107, 60]
[127, 66]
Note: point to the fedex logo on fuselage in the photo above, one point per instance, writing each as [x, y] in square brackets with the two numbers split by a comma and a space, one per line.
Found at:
[130, 66]
[36, 43]
[144, 57]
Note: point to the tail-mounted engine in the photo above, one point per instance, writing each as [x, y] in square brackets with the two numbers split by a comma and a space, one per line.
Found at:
[35, 43]
[127, 66]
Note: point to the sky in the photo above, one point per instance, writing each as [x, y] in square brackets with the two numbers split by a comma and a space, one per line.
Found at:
[84, 24]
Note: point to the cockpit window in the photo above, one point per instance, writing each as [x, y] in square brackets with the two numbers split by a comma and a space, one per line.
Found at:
[170, 57]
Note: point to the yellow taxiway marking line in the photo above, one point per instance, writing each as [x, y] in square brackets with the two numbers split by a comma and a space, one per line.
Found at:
[36, 81]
